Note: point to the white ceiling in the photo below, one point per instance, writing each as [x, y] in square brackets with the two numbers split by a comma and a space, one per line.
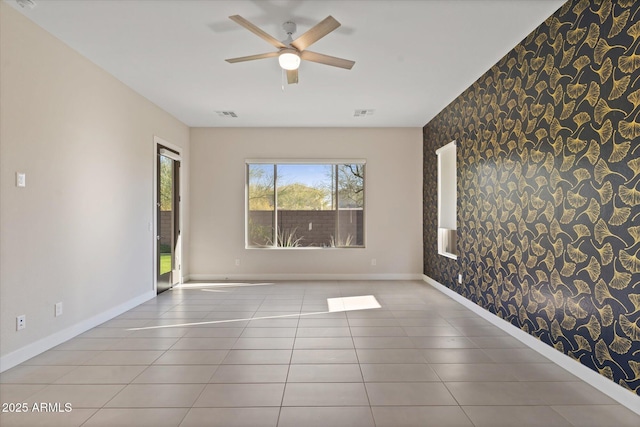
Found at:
[412, 57]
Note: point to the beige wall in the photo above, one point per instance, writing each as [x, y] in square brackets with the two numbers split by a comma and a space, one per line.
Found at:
[79, 232]
[393, 202]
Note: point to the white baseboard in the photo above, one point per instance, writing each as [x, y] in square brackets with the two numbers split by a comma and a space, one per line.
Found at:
[305, 276]
[604, 384]
[31, 350]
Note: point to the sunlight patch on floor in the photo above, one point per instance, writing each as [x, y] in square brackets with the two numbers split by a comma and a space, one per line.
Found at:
[366, 302]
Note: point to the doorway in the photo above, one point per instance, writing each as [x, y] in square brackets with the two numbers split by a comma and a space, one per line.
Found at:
[167, 219]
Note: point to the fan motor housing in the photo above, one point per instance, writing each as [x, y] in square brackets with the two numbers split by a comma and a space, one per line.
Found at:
[289, 27]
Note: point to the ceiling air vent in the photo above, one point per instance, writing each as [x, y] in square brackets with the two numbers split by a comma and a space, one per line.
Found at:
[362, 113]
[26, 3]
[228, 114]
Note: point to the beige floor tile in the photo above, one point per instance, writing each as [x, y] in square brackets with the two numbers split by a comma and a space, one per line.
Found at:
[383, 342]
[250, 374]
[323, 332]
[420, 416]
[101, 375]
[55, 357]
[88, 344]
[324, 356]
[539, 372]
[497, 342]
[231, 417]
[341, 416]
[192, 357]
[156, 396]
[376, 315]
[18, 392]
[287, 322]
[469, 321]
[473, 372]
[213, 332]
[75, 418]
[209, 343]
[176, 374]
[509, 416]
[494, 393]
[124, 357]
[138, 417]
[432, 331]
[264, 343]
[322, 323]
[409, 394]
[456, 355]
[106, 333]
[515, 355]
[569, 393]
[24, 374]
[374, 322]
[126, 323]
[159, 333]
[423, 314]
[184, 316]
[325, 394]
[398, 372]
[77, 395]
[257, 357]
[390, 356]
[268, 333]
[598, 415]
[144, 344]
[331, 373]
[323, 343]
[481, 331]
[377, 331]
[443, 342]
[240, 395]
[418, 322]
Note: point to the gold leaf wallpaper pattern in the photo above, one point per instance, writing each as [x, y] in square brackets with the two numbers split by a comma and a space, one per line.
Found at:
[549, 187]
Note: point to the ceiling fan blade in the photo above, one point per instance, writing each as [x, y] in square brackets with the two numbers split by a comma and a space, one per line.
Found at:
[257, 31]
[252, 57]
[326, 59]
[292, 76]
[317, 32]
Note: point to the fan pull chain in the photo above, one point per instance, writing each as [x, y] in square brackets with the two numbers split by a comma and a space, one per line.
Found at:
[283, 76]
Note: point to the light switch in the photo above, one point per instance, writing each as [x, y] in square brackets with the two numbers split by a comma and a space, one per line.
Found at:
[21, 179]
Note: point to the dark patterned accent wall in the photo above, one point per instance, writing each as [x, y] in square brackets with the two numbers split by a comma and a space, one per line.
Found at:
[549, 187]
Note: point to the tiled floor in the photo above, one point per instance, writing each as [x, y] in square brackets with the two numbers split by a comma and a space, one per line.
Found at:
[270, 354]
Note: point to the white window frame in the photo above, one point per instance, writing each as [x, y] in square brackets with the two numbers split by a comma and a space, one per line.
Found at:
[447, 200]
[301, 162]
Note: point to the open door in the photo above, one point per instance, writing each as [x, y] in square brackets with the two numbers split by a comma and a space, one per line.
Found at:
[168, 219]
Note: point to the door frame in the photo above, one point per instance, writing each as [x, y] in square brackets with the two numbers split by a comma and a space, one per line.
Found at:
[154, 225]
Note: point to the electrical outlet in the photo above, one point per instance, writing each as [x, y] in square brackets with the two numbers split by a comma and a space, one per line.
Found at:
[374, 261]
[21, 322]
[58, 309]
[237, 262]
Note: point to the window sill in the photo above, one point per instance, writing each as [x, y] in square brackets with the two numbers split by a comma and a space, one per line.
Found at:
[448, 255]
[304, 248]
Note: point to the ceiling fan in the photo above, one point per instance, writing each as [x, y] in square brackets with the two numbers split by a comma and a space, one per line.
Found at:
[290, 51]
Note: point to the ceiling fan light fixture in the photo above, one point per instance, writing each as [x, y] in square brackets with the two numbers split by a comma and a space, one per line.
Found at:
[289, 59]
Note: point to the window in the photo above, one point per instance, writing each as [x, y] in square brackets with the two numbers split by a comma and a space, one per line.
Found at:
[447, 198]
[305, 204]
